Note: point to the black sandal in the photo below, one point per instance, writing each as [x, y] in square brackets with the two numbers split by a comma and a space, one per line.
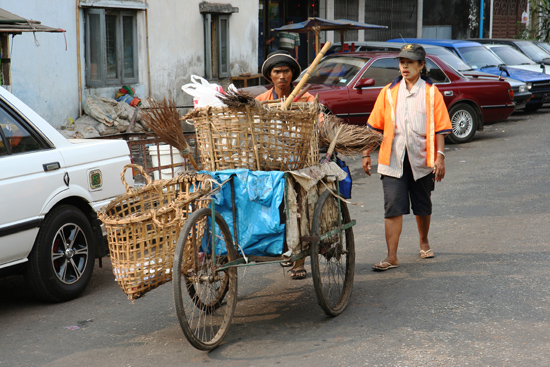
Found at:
[287, 263]
[298, 274]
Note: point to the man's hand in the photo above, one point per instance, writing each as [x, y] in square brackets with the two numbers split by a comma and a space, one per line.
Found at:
[366, 164]
[439, 168]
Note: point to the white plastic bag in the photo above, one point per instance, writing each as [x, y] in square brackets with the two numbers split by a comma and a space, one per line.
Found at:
[204, 93]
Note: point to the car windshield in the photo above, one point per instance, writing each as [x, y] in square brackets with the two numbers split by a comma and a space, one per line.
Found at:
[533, 51]
[449, 57]
[511, 56]
[479, 57]
[545, 46]
[336, 70]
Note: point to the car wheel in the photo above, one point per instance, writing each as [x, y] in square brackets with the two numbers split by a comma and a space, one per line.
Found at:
[62, 260]
[532, 107]
[465, 121]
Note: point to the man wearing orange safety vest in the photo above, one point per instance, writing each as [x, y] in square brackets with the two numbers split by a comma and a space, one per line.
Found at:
[412, 116]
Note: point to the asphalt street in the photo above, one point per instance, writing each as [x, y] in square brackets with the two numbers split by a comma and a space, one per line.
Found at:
[484, 300]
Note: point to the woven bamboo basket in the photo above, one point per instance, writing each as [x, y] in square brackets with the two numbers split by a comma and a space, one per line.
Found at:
[143, 226]
[264, 137]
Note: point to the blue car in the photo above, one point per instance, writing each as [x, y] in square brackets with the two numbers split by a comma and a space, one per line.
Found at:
[480, 58]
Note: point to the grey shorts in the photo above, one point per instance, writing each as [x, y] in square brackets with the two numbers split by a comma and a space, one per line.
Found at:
[402, 193]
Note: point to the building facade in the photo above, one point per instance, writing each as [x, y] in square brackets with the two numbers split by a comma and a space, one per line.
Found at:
[151, 46]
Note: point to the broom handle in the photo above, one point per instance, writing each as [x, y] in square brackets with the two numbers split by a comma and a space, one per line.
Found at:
[190, 156]
[331, 147]
[306, 75]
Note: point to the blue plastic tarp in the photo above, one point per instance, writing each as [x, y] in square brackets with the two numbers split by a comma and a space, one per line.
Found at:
[258, 197]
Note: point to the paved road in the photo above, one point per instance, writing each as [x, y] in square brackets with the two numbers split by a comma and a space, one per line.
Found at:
[483, 301]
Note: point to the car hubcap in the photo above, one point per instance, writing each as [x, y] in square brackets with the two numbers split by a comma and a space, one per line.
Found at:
[463, 124]
[69, 253]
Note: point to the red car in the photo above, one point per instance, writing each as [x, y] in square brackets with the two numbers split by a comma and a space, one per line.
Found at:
[348, 85]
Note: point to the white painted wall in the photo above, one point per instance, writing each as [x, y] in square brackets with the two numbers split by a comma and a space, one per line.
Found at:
[171, 49]
[45, 76]
[176, 44]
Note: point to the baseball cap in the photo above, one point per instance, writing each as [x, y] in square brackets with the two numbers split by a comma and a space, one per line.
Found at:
[412, 51]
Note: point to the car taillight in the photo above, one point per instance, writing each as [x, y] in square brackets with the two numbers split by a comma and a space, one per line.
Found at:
[511, 93]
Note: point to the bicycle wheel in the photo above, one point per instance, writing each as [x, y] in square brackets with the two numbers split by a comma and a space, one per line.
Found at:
[204, 297]
[333, 258]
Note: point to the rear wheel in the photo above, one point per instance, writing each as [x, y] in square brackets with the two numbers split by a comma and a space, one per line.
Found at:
[332, 258]
[62, 260]
[205, 297]
[465, 121]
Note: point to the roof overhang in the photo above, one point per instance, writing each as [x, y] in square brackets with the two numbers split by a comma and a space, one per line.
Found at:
[14, 24]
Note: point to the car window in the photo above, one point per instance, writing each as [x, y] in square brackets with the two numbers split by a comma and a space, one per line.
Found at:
[479, 57]
[544, 46]
[336, 70]
[449, 57]
[15, 138]
[383, 71]
[511, 56]
[435, 73]
[534, 52]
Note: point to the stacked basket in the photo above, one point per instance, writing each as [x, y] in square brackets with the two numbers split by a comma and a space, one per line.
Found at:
[263, 137]
[143, 226]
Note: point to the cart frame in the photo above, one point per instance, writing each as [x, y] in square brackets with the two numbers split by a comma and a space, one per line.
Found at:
[208, 281]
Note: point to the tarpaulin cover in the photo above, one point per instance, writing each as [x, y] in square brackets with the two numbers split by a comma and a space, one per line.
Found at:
[258, 196]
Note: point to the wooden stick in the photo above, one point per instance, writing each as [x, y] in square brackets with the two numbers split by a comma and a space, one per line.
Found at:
[307, 75]
[331, 146]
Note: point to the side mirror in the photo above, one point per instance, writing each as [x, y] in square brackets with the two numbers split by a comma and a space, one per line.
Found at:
[363, 83]
[543, 67]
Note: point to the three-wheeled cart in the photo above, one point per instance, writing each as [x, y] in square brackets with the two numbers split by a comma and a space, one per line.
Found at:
[207, 258]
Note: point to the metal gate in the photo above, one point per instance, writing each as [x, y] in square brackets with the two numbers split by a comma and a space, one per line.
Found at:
[399, 15]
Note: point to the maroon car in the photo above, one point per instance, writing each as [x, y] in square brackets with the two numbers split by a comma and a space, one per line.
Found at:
[348, 85]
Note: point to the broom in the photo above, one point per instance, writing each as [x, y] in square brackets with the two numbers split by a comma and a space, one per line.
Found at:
[352, 139]
[163, 118]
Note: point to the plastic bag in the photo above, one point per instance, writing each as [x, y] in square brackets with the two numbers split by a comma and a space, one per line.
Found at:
[204, 93]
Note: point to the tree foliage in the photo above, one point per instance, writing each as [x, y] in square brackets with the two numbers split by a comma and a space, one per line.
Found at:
[540, 20]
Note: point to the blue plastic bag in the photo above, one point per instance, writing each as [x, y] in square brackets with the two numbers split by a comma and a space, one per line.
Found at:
[258, 195]
[346, 183]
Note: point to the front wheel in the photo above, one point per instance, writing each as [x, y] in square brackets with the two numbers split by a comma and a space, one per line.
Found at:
[332, 258]
[532, 107]
[205, 296]
[464, 120]
[62, 260]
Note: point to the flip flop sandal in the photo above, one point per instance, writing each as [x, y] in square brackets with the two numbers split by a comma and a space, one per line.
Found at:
[426, 254]
[287, 263]
[298, 274]
[384, 265]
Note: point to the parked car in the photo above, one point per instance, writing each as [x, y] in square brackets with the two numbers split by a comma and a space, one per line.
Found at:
[528, 48]
[513, 57]
[481, 58]
[521, 93]
[544, 45]
[349, 83]
[51, 190]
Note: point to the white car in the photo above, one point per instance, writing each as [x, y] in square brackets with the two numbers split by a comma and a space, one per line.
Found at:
[516, 59]
[51, 189]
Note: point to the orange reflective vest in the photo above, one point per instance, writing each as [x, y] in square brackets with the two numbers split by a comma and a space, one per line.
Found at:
[382, 119]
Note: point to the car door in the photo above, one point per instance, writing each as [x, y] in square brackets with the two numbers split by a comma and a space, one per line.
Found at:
[383, 71]
[31, 174]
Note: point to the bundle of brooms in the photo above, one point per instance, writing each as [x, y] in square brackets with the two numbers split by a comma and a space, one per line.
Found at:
[163, 118]
[352, 139]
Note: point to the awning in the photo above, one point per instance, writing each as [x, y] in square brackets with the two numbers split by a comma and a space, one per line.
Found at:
[316, 25]
[14, 24]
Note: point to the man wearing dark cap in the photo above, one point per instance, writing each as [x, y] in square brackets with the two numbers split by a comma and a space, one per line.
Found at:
[412, 116]
[281, 70]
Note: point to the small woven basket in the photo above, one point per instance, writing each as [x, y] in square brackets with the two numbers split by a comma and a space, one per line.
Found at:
[264, 138]
[143, 226]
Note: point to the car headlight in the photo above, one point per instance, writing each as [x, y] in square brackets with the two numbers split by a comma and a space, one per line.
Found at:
[529, 85]
[523, 88]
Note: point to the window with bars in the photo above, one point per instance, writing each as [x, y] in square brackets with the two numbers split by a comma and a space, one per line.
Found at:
[216, 29]
[111, 47]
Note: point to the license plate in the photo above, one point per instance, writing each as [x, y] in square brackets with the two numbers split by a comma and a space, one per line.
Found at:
[546, 98]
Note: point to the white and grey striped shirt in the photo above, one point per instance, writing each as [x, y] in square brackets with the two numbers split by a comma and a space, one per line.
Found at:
[410, 132]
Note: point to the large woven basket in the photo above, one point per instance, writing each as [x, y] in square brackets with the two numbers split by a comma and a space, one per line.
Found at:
[143, 226]
[264, 138]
